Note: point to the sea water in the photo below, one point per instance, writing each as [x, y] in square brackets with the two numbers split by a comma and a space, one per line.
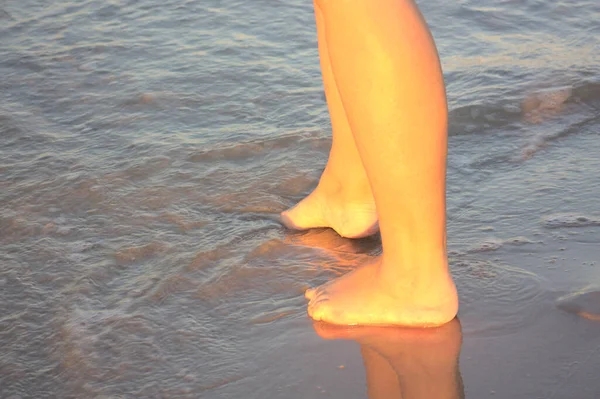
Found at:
[147, 148]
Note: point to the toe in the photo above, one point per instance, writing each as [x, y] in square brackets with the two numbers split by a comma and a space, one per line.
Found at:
[314, 305]
[318, 309]
[321, 290]
[310, 293]
[314, 309]
[320, 295]
[314, 313]
[318, 301]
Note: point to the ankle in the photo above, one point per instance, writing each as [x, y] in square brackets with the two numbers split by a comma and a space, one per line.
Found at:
[423, 281]
[350, 185]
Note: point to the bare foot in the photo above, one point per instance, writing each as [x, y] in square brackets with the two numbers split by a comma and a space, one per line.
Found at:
[350, 211]
[364, 297]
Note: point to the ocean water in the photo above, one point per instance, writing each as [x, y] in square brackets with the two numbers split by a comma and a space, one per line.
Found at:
[147, 148]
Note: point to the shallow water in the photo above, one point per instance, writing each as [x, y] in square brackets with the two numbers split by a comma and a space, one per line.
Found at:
[146, 149]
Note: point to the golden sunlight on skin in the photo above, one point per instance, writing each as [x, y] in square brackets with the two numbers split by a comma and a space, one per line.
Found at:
[406, 363]
[343, 199]
[386, 71]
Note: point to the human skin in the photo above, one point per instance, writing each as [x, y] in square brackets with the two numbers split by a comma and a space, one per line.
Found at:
[343, 199]
[387, 75]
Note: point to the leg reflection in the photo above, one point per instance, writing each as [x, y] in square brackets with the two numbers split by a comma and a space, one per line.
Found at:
[382, 381]
[407, 363]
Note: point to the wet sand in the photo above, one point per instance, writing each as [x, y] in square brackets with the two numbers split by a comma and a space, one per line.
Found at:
[511, 347]
[533, 347]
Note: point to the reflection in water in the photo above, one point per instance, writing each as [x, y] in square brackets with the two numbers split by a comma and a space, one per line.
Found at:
[407, 363]
[584, 303]
[345, 254]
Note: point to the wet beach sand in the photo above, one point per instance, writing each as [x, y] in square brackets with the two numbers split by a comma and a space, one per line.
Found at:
[147, 148]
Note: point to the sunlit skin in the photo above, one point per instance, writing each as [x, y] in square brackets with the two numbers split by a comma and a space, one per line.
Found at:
[406, 363]
[343, 199]
[384, 85]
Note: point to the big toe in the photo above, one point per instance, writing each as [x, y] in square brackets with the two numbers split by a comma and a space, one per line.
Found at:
[310, 293]
[320, 310]
[315, 311]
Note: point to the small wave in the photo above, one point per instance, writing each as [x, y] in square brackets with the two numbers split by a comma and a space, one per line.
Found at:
[126, 338]
[250, 149]
[559, 220]
[514, 131]
[22, 61]
[542, 105]
[132, 254]
[203, 259]
[492, 244]
[269, 317]
[171, 285]
[144, 168]
[534, 107]
[5, 14]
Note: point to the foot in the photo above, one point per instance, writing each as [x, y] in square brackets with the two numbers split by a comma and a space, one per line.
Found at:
[364, 297]
[350, 211]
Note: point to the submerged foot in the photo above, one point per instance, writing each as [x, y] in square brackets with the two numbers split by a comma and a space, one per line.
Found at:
[364, 297]
[350, 212]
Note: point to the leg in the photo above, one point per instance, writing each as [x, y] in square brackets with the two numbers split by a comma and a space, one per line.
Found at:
[343, 199]
[408, 363]
[390, 82]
